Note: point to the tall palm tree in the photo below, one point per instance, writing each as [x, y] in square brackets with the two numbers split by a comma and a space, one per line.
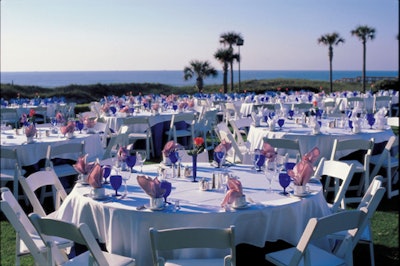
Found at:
[224, 56]
[230, 39]
[330, 40]
[363, 33]
[200, 69]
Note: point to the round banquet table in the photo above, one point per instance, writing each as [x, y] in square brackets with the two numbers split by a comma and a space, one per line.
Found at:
[30, 154]
[324, 140]
[123, 225]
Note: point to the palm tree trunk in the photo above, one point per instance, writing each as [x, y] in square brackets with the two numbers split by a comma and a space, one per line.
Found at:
[330, 68]
[364, 64]
[231, 76]
[225, 80]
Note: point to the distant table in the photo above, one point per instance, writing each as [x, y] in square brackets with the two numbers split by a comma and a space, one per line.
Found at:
[30, 154]
[324, 140]
[125, 230]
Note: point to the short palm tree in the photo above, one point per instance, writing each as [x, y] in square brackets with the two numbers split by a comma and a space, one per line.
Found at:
[330, 40]
[230, 39]
[363, 33]
[200, 69]
[224, 56]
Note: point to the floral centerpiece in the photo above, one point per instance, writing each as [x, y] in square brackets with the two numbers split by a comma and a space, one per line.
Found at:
[28, 122]
[198, 148]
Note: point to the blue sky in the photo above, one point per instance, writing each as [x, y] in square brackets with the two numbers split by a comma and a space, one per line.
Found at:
[62, 35]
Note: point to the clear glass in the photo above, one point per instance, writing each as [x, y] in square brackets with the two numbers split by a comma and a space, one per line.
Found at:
[141, 158]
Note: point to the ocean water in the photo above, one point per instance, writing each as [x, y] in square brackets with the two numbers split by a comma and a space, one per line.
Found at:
[174, 78]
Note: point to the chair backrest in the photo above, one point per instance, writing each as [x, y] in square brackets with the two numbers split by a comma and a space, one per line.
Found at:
[382, 101]
[11, 154]
[80, 234]
[42, 179]
[22, 225]
[193, 237]
[189, 118]
[338, 170]
[9, 115]
[302, 107]
[351, 145]
[385, 155]
[355, 101]
[319, 227]
[368, 204]
[142, 121]
[292, 147]
[77, 148]
[236, 132]
[115, 141]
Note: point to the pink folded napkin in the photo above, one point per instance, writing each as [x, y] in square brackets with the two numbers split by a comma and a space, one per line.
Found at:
[268, 151]
[224, 146]
[235, 191]
[303, 170]
[30, 131]
[69, 128]
[122, 154]
[89, 122]
[125, 109]
[95, 176]
[81, 165]
[171, 146]
[150, 186]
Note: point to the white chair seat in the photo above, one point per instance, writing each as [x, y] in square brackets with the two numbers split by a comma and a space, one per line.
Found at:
[64, 170]
[318, 257]
[112, 259]
[194, 262]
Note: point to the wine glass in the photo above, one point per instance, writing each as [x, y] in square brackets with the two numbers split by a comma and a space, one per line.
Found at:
[125, 179]
[280, 162]
[255, 157]
[289, 166]
[167, 186]
[141, 158]
[106, 173]
[281, 122]
[173, 157]
[270, 170]
[131, 161]
[116, 182]
[371, 122]
[260, 162]
[284, 181]
[351, 125]
[80, 126]
[219, 158]
[291, 113]
[175, 107]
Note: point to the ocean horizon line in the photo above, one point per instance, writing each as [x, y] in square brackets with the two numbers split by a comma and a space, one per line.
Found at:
[52, 79]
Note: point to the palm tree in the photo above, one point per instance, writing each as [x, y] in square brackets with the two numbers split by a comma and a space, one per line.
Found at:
[230, 39]
[330, 40]
[224, 56]
[363, 33]
[201, 69]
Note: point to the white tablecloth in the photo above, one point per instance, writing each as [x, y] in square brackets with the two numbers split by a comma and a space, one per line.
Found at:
[324, 140]
[30, 154]
[125, 230]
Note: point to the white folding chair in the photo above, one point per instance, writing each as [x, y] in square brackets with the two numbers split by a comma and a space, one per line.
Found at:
[174, 133]
[240, 128]
[28, 241]
[382, 101]
[205, 127]
[286, 146]
[237, 153]
[140, 129]
[342, 173]
[340, 146]
[353, 102]
[115, 141]
[389, 163]
[9, 116]
[40, 180]
[80, 234]
[305, 253]
[393, 121]
[11, 174]
[363, 234]
[193, 237]
[57, 151]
